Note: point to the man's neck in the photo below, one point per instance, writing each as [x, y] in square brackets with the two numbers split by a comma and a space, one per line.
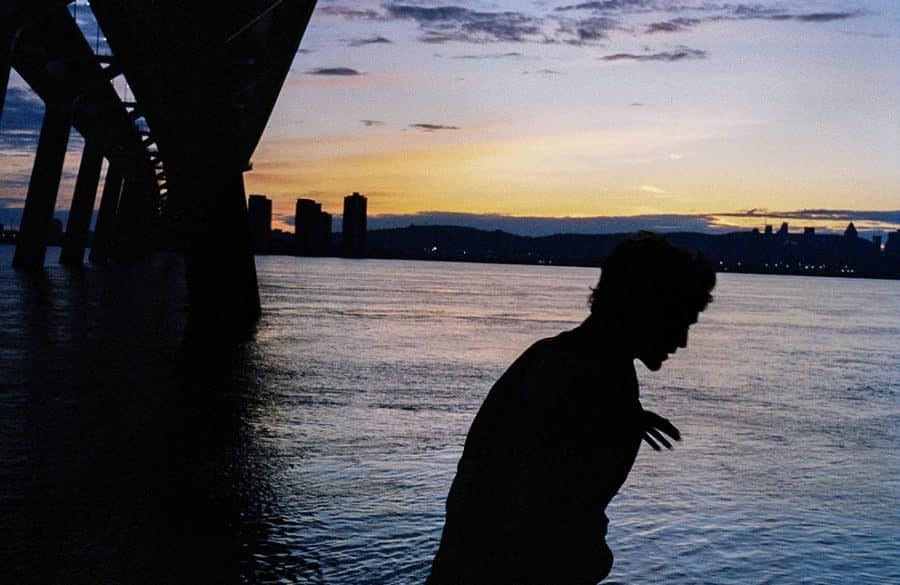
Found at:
[606, 332]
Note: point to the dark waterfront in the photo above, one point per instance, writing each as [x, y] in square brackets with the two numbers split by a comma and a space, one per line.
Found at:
[321, 451]
[124, 456]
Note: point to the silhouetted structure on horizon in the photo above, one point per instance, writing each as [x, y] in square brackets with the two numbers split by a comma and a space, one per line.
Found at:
[259, 215]
[750, 251]
[312, 229]
[353, 242]
[892, 246]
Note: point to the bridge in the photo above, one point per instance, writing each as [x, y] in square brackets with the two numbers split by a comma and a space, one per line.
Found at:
[204, 79]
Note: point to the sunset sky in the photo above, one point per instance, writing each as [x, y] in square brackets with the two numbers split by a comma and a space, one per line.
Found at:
[724, 110]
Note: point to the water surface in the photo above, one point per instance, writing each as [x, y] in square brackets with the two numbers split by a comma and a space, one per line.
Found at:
[322, 451]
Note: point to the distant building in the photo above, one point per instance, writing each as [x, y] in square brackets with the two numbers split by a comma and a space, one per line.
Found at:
[768, 229]
[809, 232]
[312, 228]
[892, 246]
[259, 215]
[353, 243]
[325, 233]
[783, 230]
[851, 232]
[877, 241]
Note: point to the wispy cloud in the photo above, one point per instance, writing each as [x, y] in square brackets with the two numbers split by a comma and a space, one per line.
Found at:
[350, 12]
[673, 25]
[888, 216]
[508, 55]
[677, 54]
[544, 71]
[833, 220]
[432, 127]
[586, 31]
[746, 12]
[372, 123]
[618, 6]
[586, 23]
[441, 24]
[376, 40]
[653, 189]
[334, 71]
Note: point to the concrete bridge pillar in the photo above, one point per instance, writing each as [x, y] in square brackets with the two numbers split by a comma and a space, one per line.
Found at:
[31, 245]
[106, 215]
[79, 223]
[220, 270]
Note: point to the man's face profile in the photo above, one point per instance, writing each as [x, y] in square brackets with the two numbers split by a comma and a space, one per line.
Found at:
[661, 335]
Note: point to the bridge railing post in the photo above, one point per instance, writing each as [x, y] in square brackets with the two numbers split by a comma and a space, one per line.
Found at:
[31, 244]
[79, 223]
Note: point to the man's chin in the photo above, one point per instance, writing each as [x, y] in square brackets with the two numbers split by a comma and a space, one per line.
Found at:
[654, 363]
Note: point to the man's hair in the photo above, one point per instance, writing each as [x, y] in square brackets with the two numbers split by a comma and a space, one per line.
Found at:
[645, 272]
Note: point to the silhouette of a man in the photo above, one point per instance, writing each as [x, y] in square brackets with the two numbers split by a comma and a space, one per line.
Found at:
[558, 433]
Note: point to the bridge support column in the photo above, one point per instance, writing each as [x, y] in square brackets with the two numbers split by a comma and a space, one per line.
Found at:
[31, 245]
[106, 215]
[131, 231]
[83, 198]
[221, 272]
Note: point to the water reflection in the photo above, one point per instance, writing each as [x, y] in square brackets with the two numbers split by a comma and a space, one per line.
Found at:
[125, 452]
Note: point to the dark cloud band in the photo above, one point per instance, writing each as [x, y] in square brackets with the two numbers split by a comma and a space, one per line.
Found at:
[335, 71]
[679, 54]
[432, 127]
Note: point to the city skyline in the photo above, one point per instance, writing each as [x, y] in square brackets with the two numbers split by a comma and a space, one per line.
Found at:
[702, 114]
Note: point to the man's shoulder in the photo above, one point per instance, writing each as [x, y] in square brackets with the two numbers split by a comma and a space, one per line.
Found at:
[563, 364]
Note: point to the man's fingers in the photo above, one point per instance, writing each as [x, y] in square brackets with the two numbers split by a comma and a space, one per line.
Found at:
[658, 436]
[669, 429]
[651, 442]
[654, 420]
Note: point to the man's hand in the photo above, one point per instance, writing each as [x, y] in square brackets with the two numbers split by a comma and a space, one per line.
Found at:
[655, 426]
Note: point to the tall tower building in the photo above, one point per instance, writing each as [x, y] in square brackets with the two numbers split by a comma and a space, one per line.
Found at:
[324, 243]
[892, 246]
[259, 215]
[306, 226]
[353, 244]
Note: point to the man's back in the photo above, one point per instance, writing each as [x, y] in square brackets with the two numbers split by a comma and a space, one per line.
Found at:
[550, 446]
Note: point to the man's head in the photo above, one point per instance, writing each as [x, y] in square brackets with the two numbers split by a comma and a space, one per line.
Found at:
[654, 292]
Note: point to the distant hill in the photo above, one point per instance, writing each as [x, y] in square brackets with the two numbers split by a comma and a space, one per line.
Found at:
[736, 252]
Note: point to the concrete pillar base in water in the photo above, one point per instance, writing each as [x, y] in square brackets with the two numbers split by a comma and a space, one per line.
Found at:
[221, 273]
